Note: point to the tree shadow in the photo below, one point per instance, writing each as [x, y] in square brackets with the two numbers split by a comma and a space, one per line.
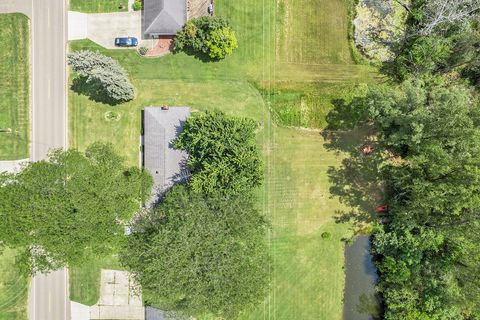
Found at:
[93, 90]
[356, 182]
[199, 55]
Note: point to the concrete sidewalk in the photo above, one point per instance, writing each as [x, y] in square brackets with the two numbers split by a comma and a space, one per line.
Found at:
[118, 299]
[13, 166]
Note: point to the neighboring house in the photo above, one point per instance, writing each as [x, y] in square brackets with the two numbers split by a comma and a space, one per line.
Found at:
[163, 17]
[166, 164]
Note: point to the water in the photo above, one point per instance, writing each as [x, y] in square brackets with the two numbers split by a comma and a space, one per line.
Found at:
[361, 302]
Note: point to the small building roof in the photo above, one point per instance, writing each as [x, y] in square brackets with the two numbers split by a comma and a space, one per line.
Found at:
[166, 164]
[164, 17]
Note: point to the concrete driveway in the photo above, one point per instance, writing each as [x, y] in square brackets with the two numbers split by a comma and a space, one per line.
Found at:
[103, 28]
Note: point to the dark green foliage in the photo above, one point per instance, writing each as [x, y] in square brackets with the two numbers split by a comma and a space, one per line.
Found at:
[223, 153]
[326, 235]
[432, 172]
[200, 255]
[442, 37]
[70, 206]
[211, 36]
[101, 77]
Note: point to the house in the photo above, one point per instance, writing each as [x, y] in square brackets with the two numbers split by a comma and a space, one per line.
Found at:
[161, 126]
[163, 17]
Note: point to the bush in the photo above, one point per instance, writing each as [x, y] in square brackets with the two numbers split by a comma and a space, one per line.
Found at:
[143, 50]
[211, 36]
[137, 5]
[326, 235]
[103, 77]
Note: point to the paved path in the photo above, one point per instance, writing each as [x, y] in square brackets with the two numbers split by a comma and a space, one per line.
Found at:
[48, 295]
[12, 166]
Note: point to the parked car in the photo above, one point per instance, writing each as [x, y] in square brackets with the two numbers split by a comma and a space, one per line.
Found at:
[126, 42]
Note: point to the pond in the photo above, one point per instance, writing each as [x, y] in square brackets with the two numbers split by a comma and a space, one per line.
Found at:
[360, 300]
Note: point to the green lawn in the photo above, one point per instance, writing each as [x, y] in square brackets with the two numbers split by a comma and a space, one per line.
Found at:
[13, 289]
[85, 280]
[94, 6]
[261, 81]
[14, 84]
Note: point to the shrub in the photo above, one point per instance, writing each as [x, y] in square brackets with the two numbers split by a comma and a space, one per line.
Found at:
[104, 78]
[143, 50]
[137, 5]
[326, 235]
[211, 36]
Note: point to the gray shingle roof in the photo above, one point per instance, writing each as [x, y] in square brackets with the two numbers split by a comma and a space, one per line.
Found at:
[166, 164]
[164, 17]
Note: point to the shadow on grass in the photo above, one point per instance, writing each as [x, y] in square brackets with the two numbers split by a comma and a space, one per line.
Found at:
[93, 90]
[199, 55]
[357, 182]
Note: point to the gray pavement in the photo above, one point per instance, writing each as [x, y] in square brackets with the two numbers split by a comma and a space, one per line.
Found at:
[13, 165]
[48, 294]
[47, 297]
[49, 90]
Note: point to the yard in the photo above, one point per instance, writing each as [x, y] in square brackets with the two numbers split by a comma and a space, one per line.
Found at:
[87, 290]
[307, 272]
[14, 84]
[13, 288]
[89, 6]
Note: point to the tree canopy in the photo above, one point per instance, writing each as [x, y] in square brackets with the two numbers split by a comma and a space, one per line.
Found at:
[442, 36]
[223, 154]
[70, 206]
[200, 254]
[212, 36]
[428, 144]
[105, 78]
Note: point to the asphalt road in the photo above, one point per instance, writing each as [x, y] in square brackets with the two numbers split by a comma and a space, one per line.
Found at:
[49, 94]
[47, 297]
[48, 294]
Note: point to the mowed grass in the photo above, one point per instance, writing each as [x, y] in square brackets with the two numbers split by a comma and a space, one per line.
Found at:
[307, 271]
[85, 280]
[313, 32]
[96, 6]
[307, 278]
[14, 86]
[13, 288]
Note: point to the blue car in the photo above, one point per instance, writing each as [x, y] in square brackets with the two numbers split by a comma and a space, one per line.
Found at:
[126, 42]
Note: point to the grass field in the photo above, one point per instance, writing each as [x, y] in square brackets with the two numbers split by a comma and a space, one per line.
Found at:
[268, 74]
[87, 291]
[13, 289]
[14, 86]
[94, 6]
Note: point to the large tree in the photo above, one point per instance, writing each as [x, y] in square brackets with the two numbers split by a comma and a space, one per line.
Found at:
[428, 254]
[102, 77]
[223, 153]
[200, 254]
[68, 207]
[212, 36]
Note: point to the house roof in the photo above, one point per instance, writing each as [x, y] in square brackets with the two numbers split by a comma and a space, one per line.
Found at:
[164, 17]
[166, 164]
